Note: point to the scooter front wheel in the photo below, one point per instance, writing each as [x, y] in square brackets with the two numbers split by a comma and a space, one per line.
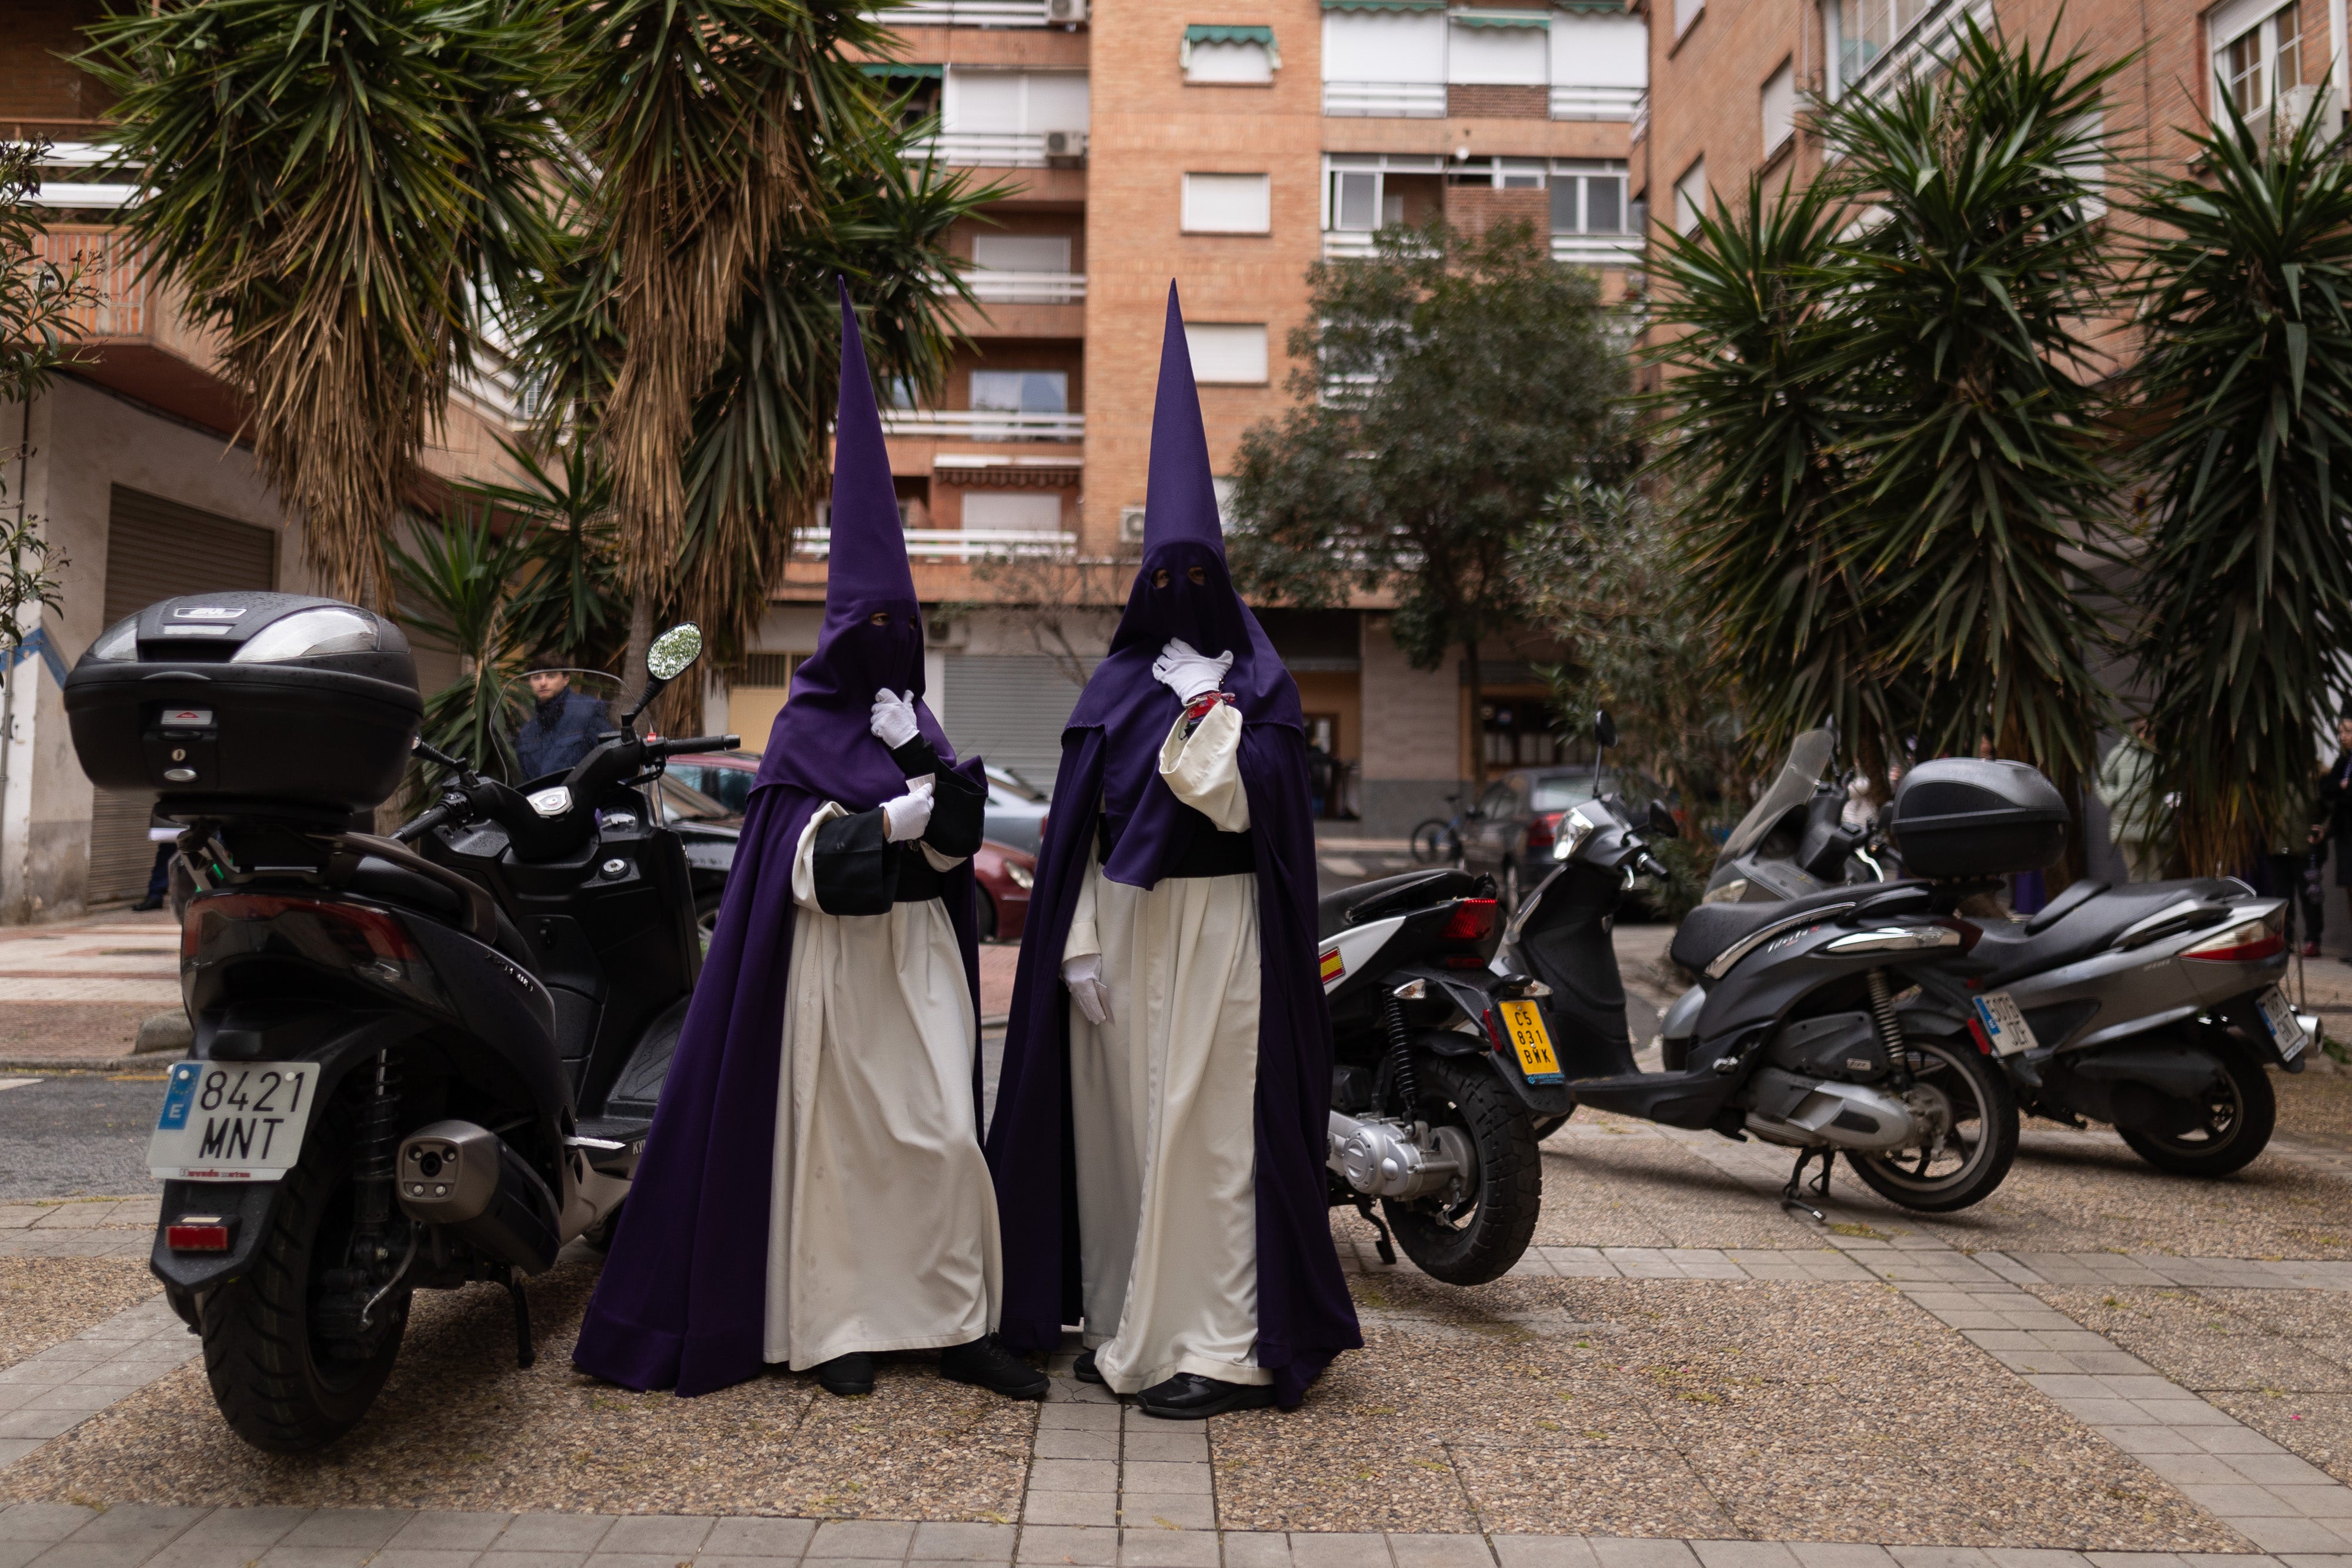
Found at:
[1478, 1229]
[1970, 1098]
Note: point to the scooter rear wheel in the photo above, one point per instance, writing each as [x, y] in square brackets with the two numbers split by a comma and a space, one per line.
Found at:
[1982, 1111]
[1480, 1235]
[2240, 1113]
[280, 1386]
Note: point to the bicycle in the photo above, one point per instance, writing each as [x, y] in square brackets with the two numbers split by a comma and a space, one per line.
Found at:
[1435, 841]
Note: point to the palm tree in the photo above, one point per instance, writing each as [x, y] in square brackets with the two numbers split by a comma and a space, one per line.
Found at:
[2247, 614]
[341, 187]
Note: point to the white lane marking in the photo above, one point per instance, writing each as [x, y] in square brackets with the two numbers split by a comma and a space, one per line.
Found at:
[6, 1084]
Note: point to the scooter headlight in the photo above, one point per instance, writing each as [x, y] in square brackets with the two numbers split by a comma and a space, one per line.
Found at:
[1574, 829]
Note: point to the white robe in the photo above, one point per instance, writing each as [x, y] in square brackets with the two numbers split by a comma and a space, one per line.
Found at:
[882, 1223]
[1164, 1100]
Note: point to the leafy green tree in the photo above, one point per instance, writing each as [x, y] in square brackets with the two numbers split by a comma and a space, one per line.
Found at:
[39, 300]
[1446, 387]
[2245, 605]
[344, 188]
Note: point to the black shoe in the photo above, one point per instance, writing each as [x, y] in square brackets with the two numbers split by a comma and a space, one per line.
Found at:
[1085, 1370]
[144, 905]
[1187, 1396]
[846, 1375]
[988, 1365]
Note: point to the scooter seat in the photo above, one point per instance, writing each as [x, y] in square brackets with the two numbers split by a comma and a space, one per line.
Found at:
[1710, 928]
[1335, 911]
[397, 885]
[2086, 925]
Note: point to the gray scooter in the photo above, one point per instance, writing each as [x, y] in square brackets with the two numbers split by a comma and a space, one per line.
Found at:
[2153, 1006]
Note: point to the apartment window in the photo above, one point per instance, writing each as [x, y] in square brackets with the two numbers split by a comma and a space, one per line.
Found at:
[1021, 252]
[1019, 511]
[2259, 52]
[1020, 392]
[1228, 55]
[1599, 65]
[1387, 63]
[1690, 197]
[1780, 107]
[1869, 29]
[1686, 13]
[1499, 49]
[1014, 102]
[1227, 204]
[1367, 191]
[1588, 196]
[1228, 352]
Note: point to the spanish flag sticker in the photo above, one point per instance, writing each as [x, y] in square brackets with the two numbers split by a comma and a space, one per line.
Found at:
[1333, 968]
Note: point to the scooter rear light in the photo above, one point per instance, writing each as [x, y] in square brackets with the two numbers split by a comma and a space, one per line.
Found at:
[197, 1233]
[1473, 920]
[1544, 830]
[2247, 942]
[350, 926]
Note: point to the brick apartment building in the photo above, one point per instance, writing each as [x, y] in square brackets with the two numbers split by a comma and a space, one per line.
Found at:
[1227, 144]
[1730, 78]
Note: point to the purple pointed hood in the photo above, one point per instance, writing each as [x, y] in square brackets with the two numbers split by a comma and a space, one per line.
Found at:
[1182, 590]
[873, 631]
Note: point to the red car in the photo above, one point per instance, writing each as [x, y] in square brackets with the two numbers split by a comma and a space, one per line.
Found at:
[725, 777]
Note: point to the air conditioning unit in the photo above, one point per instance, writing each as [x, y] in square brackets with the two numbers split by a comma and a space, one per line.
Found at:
[1130, 525]
[942, 633]
[1065, 149]
[1066, 12]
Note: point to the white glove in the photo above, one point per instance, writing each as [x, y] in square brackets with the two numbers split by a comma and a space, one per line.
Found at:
[906, 817]
[1188, 674]
[893, 718]
[1083, 974]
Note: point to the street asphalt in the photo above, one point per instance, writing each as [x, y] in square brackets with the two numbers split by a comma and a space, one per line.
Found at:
[71, 1134]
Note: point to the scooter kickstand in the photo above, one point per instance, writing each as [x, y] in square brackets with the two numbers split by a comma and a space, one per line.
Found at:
[1792, 1196]
[524, 1353]
[1364, 1207]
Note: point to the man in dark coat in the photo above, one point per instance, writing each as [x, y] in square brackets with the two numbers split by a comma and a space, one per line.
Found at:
[813, 1193]
[563, 724]
[1161, 1119]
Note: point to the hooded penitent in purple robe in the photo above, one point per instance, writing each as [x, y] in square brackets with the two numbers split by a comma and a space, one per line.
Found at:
[1108, 796]
[683, 1300]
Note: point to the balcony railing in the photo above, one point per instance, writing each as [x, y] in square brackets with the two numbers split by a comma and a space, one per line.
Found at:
[982, 148]
[64, 183]
[967, 14]
[1397, 100]
[1597, 250]
[959, 544]
[1587, 250]
[984, 424]
[994, 288]
[120, 305]
[1594, 102]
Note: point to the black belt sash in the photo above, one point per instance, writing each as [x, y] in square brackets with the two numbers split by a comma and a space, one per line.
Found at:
[917, 880]
[1209, 853]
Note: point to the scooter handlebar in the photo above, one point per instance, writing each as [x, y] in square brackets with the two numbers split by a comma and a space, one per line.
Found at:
[422, 824]
[694, 743]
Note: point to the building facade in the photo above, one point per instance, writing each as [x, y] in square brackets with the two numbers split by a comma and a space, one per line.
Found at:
[1224, 145]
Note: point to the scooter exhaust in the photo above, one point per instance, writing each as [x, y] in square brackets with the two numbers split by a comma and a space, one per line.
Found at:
[466, 1179]
[1383, 1157]
[1811, 1113]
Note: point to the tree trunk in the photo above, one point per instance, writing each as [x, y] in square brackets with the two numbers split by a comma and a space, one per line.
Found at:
[1477, 725]
[641, 640]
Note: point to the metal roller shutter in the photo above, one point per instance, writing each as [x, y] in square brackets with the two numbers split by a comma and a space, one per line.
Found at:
[1009, 710]
[156, 549]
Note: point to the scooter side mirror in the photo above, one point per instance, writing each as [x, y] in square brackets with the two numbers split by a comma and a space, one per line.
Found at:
[1661, 822]
[671, 655]
[1604, 729]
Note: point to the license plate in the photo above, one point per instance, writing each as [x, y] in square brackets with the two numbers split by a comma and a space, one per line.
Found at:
[2004, 1024]
[1525, 1026]
[232, 1120]
[2286, 1028]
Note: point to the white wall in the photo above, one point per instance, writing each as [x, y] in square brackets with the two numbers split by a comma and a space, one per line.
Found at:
[85, 442]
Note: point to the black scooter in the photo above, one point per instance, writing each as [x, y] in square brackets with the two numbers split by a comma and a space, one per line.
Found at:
[1796, 1036]
[411, 1070]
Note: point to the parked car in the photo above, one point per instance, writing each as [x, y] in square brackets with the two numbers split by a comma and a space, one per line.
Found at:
[1016, 810]
[710, 832]
[725, 776]
[1508, 834]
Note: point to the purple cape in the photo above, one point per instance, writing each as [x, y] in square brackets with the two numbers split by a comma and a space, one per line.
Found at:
[1109, 771]
[683, 1298]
